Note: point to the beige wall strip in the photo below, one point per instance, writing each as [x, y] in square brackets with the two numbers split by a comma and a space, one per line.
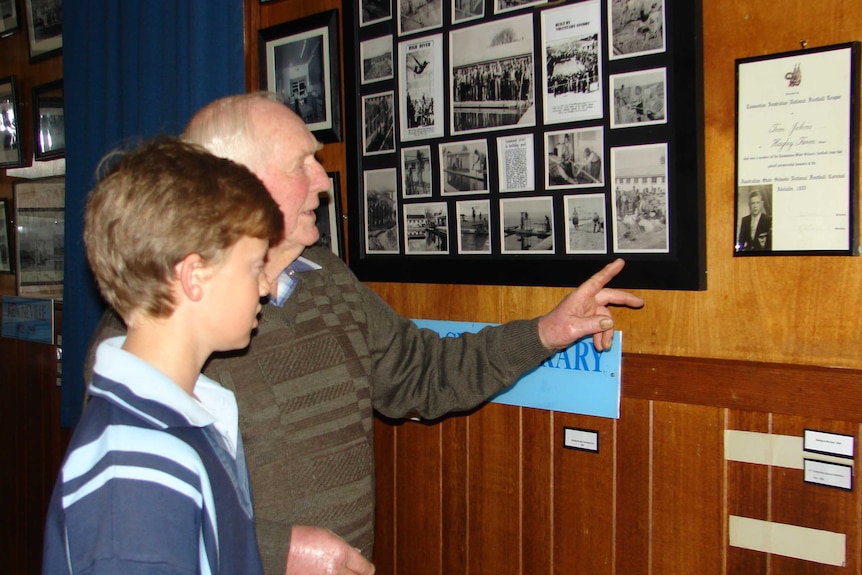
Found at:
[815, 545]
[770, 449]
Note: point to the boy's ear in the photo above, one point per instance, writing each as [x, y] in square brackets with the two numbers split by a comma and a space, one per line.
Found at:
[190, 274]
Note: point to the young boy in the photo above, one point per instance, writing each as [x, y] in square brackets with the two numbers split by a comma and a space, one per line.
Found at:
[155, 480]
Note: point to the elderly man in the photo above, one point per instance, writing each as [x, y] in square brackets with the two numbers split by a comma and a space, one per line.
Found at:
[329, 352]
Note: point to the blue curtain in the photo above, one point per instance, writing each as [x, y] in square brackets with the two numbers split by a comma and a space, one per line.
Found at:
[131, 69]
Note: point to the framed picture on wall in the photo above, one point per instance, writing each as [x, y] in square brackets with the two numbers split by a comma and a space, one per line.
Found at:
[39, 244]
[44, 28]
[9, 22]
[560, 136]
[48, 121]
[5, 244]
[328, 215]
[797, 152]
[299, 61]
[10, 126]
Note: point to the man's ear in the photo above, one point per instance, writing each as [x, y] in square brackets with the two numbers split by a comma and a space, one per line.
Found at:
[190, 273]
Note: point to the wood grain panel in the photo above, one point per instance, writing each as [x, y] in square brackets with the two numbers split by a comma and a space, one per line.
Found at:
[494, 504]
[35, 447]
[687, 516]
[753, 386]
[633, 477]
[748, 495]
[418, 499]
[814, 506]
[454, 483]
[537, 446]
[384, 529]
[584, 496]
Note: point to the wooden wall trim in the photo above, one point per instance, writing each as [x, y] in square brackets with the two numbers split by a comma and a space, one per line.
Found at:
[823, 392]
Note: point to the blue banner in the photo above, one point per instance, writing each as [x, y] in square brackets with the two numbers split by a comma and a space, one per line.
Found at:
[578, 379]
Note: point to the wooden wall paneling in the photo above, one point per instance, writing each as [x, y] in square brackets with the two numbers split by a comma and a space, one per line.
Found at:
[583, 499]
[11, 534]
[825, 392]
[31, 425]
[385, 481]
[537, 448]
[418, 499]
[494, 498]
[747, 493]
[633, 477]
[814, 506]
[687, 513]
[36, 488]
[438, 301]
[454, 487]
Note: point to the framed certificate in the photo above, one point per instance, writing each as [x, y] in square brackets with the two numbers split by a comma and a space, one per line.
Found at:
[796, 152]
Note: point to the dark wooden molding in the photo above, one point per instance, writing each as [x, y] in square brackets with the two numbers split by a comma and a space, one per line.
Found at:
[826, 392]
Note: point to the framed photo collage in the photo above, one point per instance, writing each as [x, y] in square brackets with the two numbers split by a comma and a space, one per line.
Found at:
[519, 142]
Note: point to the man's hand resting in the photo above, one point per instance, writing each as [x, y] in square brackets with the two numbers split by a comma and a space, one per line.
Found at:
[317, 551]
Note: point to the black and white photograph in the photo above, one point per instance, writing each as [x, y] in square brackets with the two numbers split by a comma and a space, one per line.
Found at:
[377, 60]
[5, 249]
[419, 15]
[501, 6]
[571, 53]
[373, 11]
[464, 167]
[640, 98]
[9, 21]
[10, 149]
[474, 226]
[639, 198]
[39, 226]
[427, 228]
[466, 10]
[420, 88]
[754, 210]
[516, 166]
[328, 215]
[585, 224]
[637, 27]
[491, 76]
[527, 225]
[300, 59]
[416, 173]
[381, 211]
[574, 158]
[49, 121]
[378, 122]
[44, 27]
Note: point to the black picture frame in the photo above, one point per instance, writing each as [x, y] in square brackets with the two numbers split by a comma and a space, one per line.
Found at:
[674, 48]
[796, 168]
[300, 61]
[44, 28]
[39, 236]
[330, 217]
[49, 133]
[10, 22]
[10, 124]
[7, 265]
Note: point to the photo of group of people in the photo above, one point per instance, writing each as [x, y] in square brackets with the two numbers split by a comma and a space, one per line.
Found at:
[10, 145]
[476, 165]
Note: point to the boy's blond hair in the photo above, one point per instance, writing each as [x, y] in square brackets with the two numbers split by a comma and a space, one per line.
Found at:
[159, 203]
